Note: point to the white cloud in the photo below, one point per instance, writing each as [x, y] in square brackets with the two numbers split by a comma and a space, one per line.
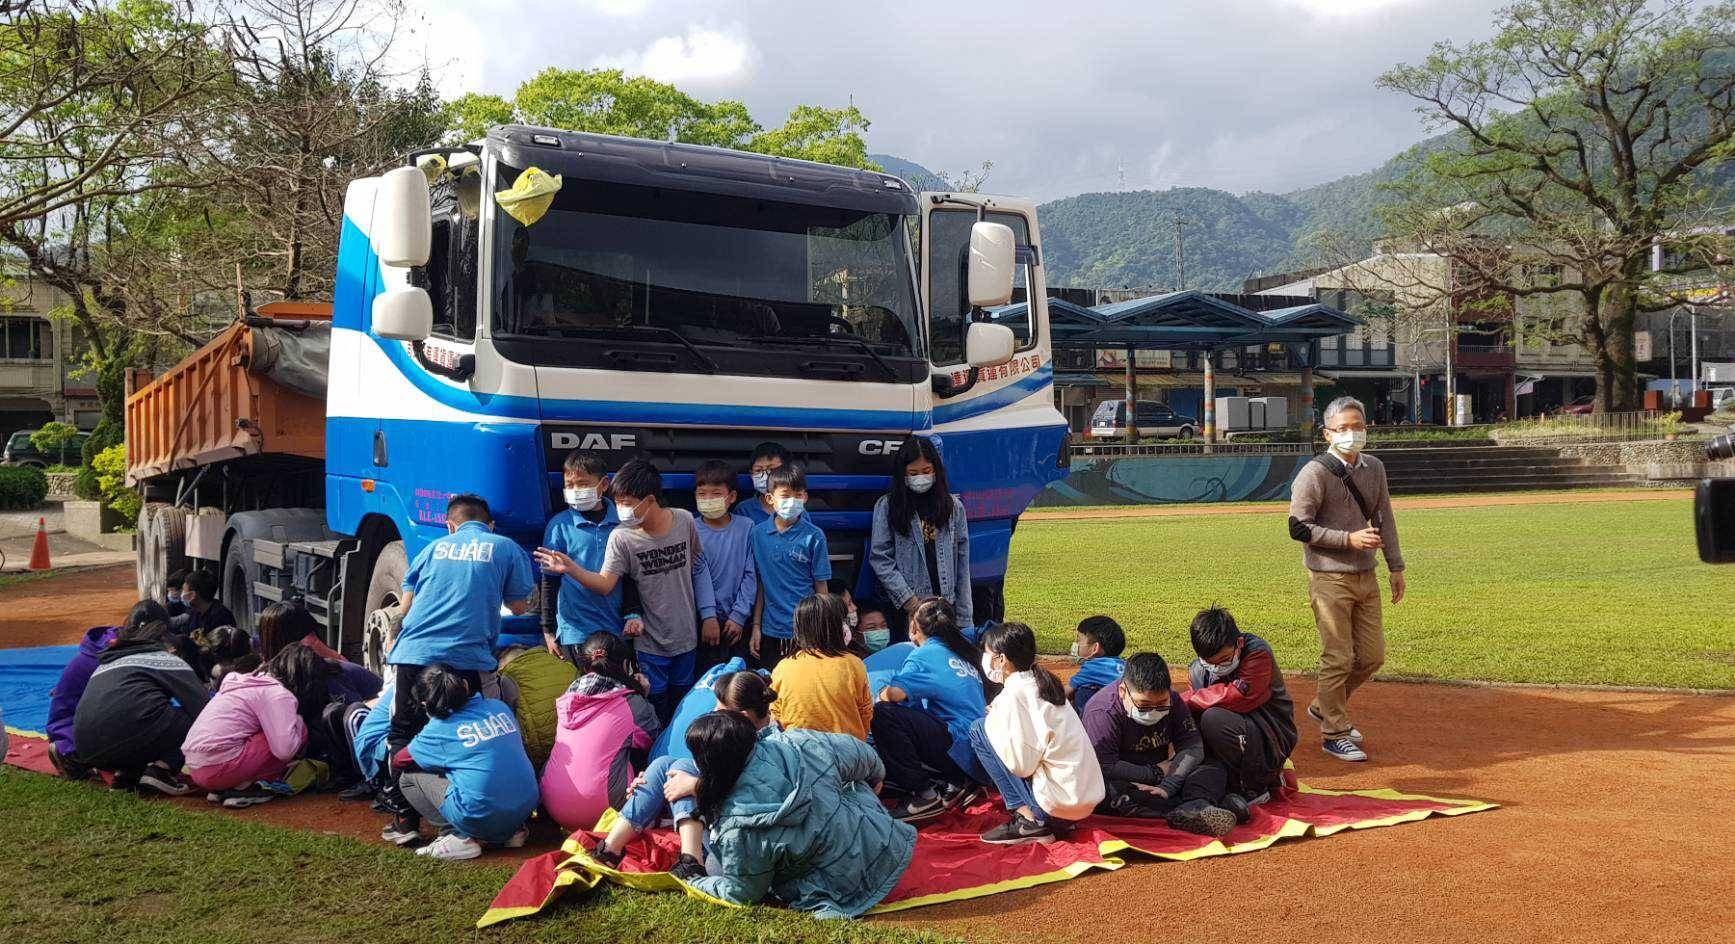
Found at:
[621, 8]
[1345, 8]
[699, 57]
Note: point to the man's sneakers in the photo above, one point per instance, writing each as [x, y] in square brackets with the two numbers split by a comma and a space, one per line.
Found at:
[1237, 806]
[960, 796]
[451, 847]
[1344, 748]
[518, 839]
[688, 869]
[921, 807]
[164, 781]
[1313, 712]
[402, 830]
[1018, 830]
[360, 790]
[1201, 818]
[243, 797]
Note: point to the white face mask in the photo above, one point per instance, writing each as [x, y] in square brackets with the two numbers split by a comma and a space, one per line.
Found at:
[1218, 671]
[1078, 650]
[762, 482]
[790, 508]
[584, 499]
[174, 598]
[920, 483]
[712, 507]
[1349, 441]
[629, 514]
[1147, 716]
[994, 675]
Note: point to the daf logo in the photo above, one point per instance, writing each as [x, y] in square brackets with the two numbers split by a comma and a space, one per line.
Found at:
[610, 442]
[879, 447]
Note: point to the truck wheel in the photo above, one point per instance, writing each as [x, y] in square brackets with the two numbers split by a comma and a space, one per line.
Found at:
[383, 590]
[237, 590]
[162, 547]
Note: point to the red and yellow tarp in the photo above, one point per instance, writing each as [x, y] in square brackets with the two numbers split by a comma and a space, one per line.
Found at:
[952, 864]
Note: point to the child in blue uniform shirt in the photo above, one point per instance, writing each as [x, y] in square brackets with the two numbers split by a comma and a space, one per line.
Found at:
[1098, 645]
[453, 592]
[580, 532]
[466, 772]
[767, 457]
[725, 538]
[793, 560]
[921, 725]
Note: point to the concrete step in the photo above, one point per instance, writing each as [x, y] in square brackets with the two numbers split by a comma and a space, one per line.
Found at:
[1515, 484]
[1478, 471]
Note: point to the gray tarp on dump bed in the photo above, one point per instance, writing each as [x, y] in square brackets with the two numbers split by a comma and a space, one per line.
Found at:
[297, 357]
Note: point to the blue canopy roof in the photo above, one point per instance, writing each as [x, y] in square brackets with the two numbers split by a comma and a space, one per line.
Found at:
[1189, 320]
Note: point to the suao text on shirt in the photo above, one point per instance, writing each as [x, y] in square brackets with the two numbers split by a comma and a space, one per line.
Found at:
[473, 733]
[479, 552]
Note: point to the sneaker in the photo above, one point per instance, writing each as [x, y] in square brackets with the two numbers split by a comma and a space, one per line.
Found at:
[1343, 748]
[1313, 713]
[607, 859]
[165, 781]
[518, 839]
[1124, 806]
[360, 790]
[67, 767]
[1255, 799]
[244, 797]
[402, 830]
[688, 869]
[1201, 818]
[213, 797]
[451, 847]
[921, 807]
[960, 796]
[1237, 804]
[1018, 830]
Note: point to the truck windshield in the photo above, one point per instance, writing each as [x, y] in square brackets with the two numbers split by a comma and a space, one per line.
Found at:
[676, 280]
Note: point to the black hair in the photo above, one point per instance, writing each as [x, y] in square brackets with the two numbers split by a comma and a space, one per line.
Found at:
[1146, 672]
[722, 742]
[1212, 630]
[1105, 632]
[281, 624]
[224, 643]
[789, 474]
[819, 624]
[769, 450]
[934, 507]
[467, 507]
[147, 621]
[579, 460]
[245, 665]
[714, 472]
[610, 656]
[745, 691]
[203, 582]
[936, 618]
[441, 691]
[870, 605]
[1017, 642]
[638, 479]
[306, 675]
[177, 578]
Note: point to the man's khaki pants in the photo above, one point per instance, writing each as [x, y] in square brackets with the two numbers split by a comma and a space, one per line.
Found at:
[1352, 641]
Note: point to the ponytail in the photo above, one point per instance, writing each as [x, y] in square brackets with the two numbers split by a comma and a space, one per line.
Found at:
[1017, 642]
[745, 691]
[936, 618]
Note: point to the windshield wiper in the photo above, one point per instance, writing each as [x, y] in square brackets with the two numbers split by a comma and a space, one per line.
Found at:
[861, 345]
[709, 365]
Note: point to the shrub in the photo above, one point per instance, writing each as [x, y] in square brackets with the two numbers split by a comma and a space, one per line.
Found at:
[53, 438]
[111, 471]
[107, 433]
[85, 486]
[22, 487]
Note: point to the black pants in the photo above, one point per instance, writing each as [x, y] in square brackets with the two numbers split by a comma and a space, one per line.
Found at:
[329, 739]
[408, 717]
[161, 744]
[913, 745]
[1208, 782]
[771, 652]
[1236, 741]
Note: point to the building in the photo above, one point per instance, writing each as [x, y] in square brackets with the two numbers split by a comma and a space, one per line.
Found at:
[37, 355]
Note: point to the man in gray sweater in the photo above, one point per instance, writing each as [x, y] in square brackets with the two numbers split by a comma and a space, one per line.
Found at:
[1339, 539]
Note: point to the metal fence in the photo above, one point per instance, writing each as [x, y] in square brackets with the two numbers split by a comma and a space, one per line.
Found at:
[1195, 447]
[1596, 427]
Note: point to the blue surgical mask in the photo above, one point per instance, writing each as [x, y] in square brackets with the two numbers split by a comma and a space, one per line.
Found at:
[790, 508]
[174, 598]
[920, 483]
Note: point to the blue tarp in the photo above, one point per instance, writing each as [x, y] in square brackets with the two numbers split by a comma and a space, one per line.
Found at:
[26, 676]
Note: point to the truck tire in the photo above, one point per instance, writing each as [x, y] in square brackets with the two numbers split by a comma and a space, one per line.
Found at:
[162, 544]
[237, 586]
[383, 590]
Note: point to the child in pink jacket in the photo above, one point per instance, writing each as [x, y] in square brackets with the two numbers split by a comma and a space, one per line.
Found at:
[250, 731]
[591, 765]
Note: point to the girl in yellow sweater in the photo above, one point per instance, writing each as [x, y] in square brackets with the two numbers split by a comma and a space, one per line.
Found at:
[821, 686]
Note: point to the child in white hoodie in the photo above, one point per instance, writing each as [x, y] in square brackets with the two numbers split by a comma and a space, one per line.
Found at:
[1032, 744]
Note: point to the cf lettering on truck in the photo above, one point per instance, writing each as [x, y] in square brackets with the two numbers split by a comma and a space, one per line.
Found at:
[499, 304]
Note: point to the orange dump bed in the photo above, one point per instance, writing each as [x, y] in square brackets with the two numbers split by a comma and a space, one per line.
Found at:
[211, 407]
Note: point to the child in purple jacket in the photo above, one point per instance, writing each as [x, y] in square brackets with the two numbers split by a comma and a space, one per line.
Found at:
[63, 703]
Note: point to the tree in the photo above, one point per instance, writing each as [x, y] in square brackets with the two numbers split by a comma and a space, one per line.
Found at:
[1582, 133]
[608, 101]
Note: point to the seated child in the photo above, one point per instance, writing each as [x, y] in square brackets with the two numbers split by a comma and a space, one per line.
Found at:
[1032, 744]
[1097, 645]
[604, 732]
[63, 700]
[466, 772]
[1153, 762]
[141, 701]
[792, 559]
[1242, 708]
[667, 786]
[611, 657]
[871, 626]
[172, 592]
[540, 677]
[821, 686]
[250, 731]
[921, 725]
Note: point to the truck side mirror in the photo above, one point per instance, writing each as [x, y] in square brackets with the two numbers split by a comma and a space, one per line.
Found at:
[403, 224]
[403, 314]
[992, 259]
[988, 345]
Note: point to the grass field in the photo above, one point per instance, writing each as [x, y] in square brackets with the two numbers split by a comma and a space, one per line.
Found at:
[1593, 593]
[149, 871]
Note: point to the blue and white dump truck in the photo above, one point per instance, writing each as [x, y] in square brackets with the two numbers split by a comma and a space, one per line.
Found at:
[502, 303]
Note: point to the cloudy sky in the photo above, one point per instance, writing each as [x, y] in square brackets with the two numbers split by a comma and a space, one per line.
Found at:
[1063, 97]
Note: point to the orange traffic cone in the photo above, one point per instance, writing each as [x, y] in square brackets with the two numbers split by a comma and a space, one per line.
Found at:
[39, 553]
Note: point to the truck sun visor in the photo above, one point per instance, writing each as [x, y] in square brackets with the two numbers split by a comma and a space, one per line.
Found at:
[530, 196]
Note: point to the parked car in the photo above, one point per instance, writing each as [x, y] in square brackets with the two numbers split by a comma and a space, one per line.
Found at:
[1153, 419]
[1582, 406]
[21, 451]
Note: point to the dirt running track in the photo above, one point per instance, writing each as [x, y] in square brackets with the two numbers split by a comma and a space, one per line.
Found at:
[1616, 823]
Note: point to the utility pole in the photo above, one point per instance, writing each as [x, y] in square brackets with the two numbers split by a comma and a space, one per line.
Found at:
[1180, 254]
